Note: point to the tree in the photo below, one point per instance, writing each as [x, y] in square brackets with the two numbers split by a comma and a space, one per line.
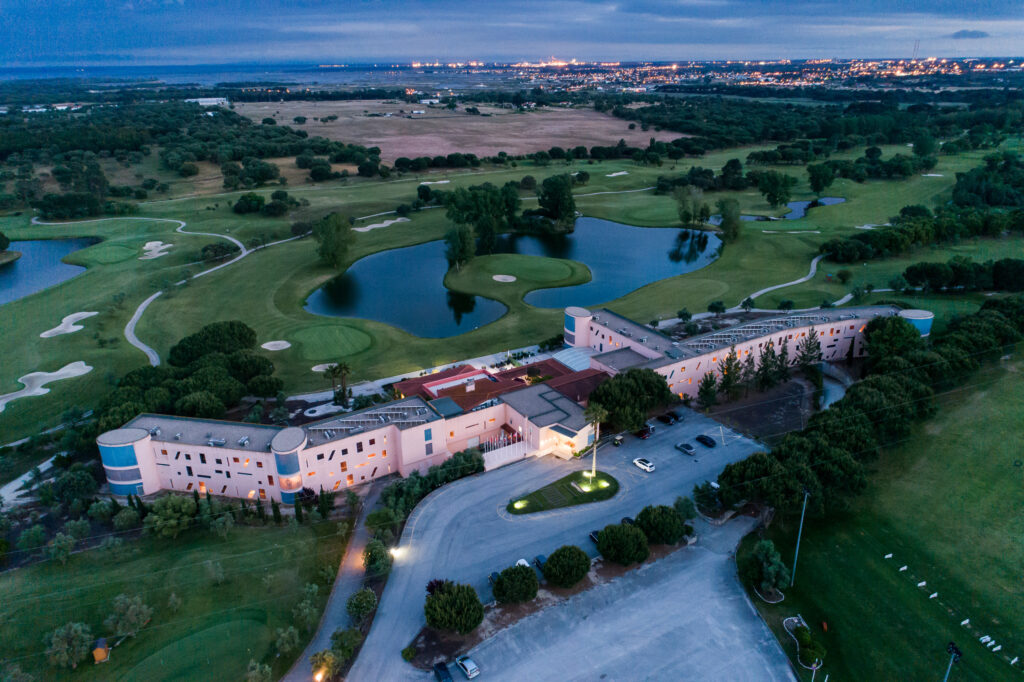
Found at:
[556, 200]
[345, 642]
[360, 605]
[101, 511]
[459, 247]
[306, 614]
[222, 525]
[819, 177]
[707, 391]
[808, 352]
[126, 519]
[706, 497]
[59, 548]
[773, 572]
[684, 315]
[68, 645]
[170, 515]
[716, 307]
[516, 584]
[630, 395]
[685, 508]
[218, 337]
[333, 235]
[376, 559]
[786, 304]
[32, 538]
[747, 304]
[775, 187]
[661, 524]
[258, 672]
[924, 143]
[566, 566]
[731, 371]
[767, 368]
[623, 544]
[383, 519]
[454, 607]
[732, 221]
[249, 203]
[129, 616]
[891, 335]
[287, 639]
[326, 665]
[595, 414]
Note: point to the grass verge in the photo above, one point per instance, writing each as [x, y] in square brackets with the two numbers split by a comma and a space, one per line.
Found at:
[563, 493]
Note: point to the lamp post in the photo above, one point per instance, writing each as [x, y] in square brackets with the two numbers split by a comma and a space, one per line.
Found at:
[799, 534]
[954, 655]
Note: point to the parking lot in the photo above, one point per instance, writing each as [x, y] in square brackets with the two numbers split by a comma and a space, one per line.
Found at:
[462, 531]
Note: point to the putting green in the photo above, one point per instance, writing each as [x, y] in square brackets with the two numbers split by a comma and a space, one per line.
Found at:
[201, 656]
[339, 338]
[106, 254]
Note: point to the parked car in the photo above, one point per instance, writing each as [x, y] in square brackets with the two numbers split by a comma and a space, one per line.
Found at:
[617, 441]
[441, 673]
[523, 562]
[706, 440]
[667, 418]
[593, 536]
[686, 449]
[645, 464]
[644, 433]
[627, 521]
[468, 666]
[492, 578]
[540, 560]
[677, 414]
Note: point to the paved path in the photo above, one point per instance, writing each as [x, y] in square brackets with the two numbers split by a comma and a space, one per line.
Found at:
[685, 617]
[348, 581]
[10, 492]
[462, 531]
[129, 331]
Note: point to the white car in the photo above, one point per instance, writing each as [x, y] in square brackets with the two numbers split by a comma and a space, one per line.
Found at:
[523, 562]
[468, 666]
[645, 464]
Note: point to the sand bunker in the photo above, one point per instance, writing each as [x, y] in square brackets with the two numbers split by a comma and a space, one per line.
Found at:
[154, 250]
[35, 383]
[367, 228]
[276, 345]
[615, 175]
[504, 278]
[435, 182]
[931, 175]
[67, 325]
[322, 368]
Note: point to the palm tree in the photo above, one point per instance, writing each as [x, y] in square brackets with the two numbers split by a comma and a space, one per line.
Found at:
[343, 369]
[595, 414]
[331, 373]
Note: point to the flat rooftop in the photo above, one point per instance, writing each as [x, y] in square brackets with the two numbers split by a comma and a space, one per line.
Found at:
[545, 406]
[210, 432]
[403, 414]
[622, 359]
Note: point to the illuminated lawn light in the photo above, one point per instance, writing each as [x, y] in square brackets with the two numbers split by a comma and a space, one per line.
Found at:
[603, 484]
[519, 504]
[395, 552]
[586, 488]
[587, 474]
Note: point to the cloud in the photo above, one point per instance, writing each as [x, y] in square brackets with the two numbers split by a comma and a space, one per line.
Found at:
[966, 35]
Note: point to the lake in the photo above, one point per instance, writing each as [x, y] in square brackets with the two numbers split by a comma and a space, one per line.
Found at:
[39, 267]
[405, 287]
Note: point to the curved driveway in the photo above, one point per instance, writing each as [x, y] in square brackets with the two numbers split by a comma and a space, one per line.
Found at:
[462, 532]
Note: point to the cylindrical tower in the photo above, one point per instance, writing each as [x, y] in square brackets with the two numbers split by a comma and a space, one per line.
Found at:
[921, 319]
[285, 446]
[577, 326]
[128, 462]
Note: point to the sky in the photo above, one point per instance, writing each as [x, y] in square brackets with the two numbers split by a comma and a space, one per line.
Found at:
[155, 32]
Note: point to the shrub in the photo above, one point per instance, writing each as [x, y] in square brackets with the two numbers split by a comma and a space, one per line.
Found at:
[376, 559]
[409, 653]
[516, 584]
[685, 507]
[566, 566]
[345, 642]
[811, 651]
[454, 607]
[623, 544]
[68, 645]
[126, 519]
[361, 604]
[662, 525]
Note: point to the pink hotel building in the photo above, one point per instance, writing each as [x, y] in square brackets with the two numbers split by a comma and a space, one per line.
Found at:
[157, 452]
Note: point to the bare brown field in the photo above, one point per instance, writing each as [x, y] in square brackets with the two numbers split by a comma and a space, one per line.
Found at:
[440, 131]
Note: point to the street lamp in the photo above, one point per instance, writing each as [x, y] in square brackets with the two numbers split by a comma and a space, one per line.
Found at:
[954, 655]
[796, 554]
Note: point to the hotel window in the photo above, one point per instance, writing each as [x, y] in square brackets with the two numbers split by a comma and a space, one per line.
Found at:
[228, 474]
[223, 489]
[359, 447]
[344, 451]
[372, 454]
[202, 487]
[164, 452]
[188, 487]
[263, 494]
[202, 458]
[344, 467]
[188, 457]
[428, 435]
[217, 471]
[319, 456]
[336, 484]
[235, 460]
[188, 470]
[270, 480]
[259, 464]
[451, 434]
[311, 473]
[372, 441]
[349, 480]
[252, 494]
[332, 455]
[430, 448]
[383, 453]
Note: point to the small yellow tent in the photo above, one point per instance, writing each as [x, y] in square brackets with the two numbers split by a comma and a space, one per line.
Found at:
[101, 652]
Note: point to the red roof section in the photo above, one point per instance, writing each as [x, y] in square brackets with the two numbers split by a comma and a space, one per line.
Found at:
[578, 386]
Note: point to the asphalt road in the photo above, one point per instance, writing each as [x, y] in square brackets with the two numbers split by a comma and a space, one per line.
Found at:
[462, 531]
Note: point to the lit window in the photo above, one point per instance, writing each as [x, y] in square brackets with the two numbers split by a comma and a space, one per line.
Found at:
[259, 464]
[451, 434]
[344, 467]
[202, 487]
[349, 480]
[235, 459]
[270, 480]
[246, 462]
[361, 464]
[163, 452]
[188, 487]
[311, 473]
[252, 494]
[372, 454]
[383, 453]
[336, 484]
[263, 494]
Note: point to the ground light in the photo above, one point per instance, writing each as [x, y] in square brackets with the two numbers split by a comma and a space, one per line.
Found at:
[587, 474]
[519, 504]
[586, 488]
[603, 484]
[396, 552]
[319, 676]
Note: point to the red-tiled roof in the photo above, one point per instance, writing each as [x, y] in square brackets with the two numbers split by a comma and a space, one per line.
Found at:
[578, 386]
[414, 385]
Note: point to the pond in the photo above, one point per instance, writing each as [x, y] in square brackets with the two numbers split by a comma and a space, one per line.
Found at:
[39, 267]
[797, 210]
[405, 287]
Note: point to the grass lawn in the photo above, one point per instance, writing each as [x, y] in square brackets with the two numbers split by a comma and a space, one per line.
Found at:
[947, 504]
[268, 288]
[561, 493]
[218, 628]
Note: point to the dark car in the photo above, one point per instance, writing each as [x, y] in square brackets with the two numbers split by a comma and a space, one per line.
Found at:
[644, 433]
[627, 521]
[667, 418]
[441, 673]
[706, 440]
[686, 449]
[540, 560]
[593, 536]
[492, 578]
[676, 414]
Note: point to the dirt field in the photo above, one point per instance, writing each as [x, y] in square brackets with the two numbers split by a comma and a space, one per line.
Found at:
[440, 131]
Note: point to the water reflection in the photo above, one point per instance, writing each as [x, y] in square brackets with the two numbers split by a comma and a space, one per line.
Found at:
[39, 267]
